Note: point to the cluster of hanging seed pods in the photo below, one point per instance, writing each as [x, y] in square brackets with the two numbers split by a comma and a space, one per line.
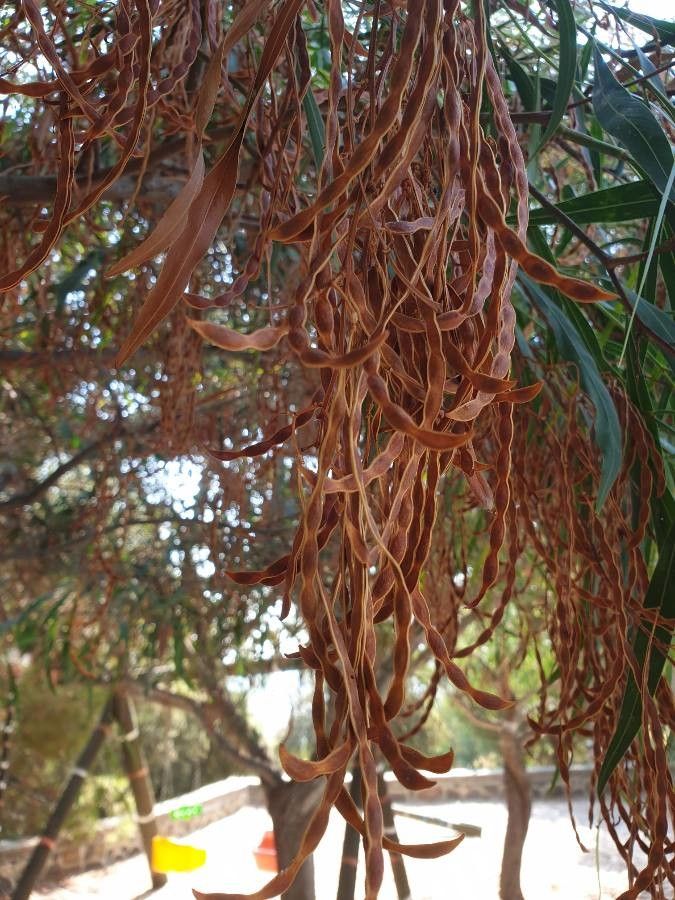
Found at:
[402, 320]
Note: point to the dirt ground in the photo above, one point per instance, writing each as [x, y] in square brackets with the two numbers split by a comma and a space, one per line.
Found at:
[554, 866]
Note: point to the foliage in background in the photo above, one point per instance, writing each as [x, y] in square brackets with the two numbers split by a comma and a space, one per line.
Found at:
[51, 729]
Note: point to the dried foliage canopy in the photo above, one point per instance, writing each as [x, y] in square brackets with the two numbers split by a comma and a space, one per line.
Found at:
[401, 191]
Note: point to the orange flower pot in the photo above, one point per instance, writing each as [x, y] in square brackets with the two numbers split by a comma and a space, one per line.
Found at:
[266, 853]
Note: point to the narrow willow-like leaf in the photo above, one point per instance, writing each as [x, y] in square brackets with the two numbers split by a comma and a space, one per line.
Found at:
[8, 624]
[623, 203]
[656, 320]
[568, 307]
[661, 596]
[649, 68]
[655, 231]
[567, 70]
[583, 64]
[630, 121]
[521, 79]
[662, 508]
[667, 266]
[651, 26]
[317, 134]
[608, 434]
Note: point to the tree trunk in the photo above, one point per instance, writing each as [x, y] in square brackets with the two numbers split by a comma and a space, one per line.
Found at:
[396, 860]
[290, 804]
[137, 772]
[350, 846]
[518, 802]
[38, 858]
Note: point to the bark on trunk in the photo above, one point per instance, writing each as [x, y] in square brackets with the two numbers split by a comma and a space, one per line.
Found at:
[350, 847]
[38, 858]
[518, 802]
[396, 860]
[290, 805]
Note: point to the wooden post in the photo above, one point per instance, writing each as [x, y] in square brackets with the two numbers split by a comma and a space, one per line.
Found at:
[137, 772]
[38, 858]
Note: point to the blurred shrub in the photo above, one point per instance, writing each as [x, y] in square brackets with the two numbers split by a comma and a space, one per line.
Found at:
[52, 727]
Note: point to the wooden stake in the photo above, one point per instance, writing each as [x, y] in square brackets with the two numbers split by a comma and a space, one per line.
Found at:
[138, 774]
[39, 856]
[350, 846]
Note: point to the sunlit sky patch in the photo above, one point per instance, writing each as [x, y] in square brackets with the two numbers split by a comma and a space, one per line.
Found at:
[661, 9]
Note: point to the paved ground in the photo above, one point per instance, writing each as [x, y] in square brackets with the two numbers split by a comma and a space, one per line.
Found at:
[554, 866]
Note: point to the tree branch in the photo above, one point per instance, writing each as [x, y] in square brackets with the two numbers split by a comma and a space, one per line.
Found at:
[63, 358]
[22, 190]
[29, 359]
[41, 486]
[200, 711]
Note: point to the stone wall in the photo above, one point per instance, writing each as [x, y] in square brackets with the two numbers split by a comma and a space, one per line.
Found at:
[117, 838]
[488, 784]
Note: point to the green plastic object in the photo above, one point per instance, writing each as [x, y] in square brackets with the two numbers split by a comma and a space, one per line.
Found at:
[187, 812]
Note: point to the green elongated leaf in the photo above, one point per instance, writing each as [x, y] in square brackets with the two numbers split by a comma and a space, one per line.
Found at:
[487, 12]
[523, 346]
[568, 307]
[653, 332]
[664, 29]
[662, 508]
[8, 624]
[317, 133]
[647, 283]
[571, 346]
[592, 139]
[584, 61]
[623, 203]
[521, 78]
[660, 595]
[649, 68]
[547, 90]
[648, 268]
[567, 70]
[566, 236]
[534, 137]
[667, 265]
[655, 319]
[658, 321]
[591, 155]
[632, 124]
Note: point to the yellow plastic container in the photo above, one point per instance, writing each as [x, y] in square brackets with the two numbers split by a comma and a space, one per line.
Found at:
[167, 856]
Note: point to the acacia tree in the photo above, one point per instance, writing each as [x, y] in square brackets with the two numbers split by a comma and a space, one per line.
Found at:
[366, 212]
[110, 577]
